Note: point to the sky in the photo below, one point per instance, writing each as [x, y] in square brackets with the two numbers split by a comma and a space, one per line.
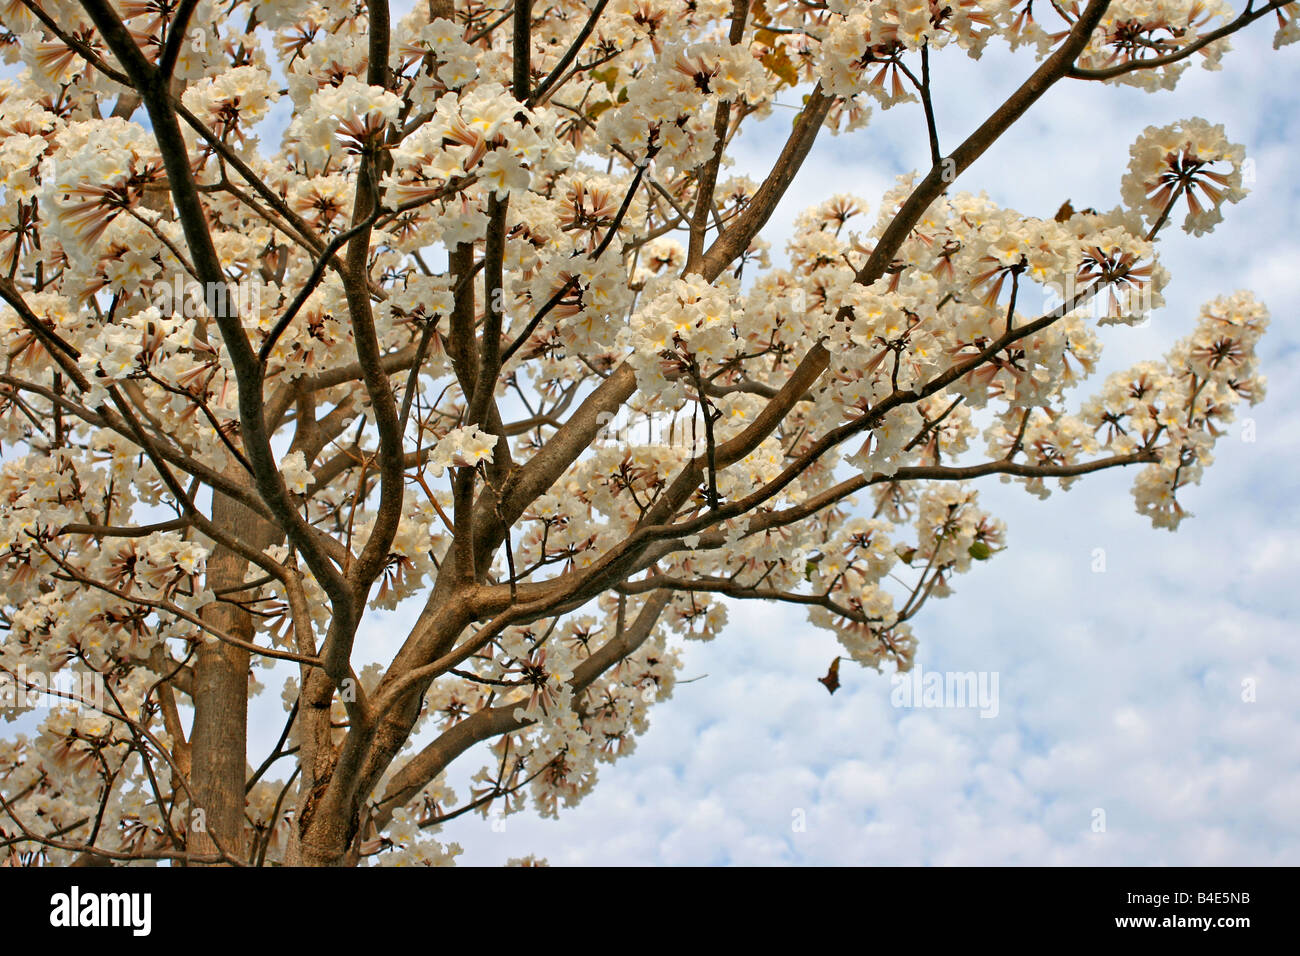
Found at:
[1147, 712]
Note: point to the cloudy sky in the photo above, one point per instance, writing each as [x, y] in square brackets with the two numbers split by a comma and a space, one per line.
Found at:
[1121, 692]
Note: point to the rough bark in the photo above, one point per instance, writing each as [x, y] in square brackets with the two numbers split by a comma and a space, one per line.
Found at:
[220, 735]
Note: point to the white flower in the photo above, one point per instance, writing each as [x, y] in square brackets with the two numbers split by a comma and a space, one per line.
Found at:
[297, 476]
[1189, 161]
[462, 447]
[349, 112]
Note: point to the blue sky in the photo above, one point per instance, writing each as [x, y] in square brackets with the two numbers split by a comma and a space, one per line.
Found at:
[1119, 691]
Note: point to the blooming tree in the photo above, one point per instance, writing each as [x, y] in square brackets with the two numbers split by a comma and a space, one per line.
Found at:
[313, 310]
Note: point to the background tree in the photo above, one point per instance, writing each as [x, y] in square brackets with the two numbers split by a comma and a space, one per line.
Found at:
[492, 332]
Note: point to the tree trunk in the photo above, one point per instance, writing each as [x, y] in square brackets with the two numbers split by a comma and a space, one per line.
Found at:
[219, 738]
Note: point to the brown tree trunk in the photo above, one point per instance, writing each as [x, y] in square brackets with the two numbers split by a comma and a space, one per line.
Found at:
[219, 740]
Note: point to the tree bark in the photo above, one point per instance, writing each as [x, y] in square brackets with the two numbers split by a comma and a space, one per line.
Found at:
[219, 740]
